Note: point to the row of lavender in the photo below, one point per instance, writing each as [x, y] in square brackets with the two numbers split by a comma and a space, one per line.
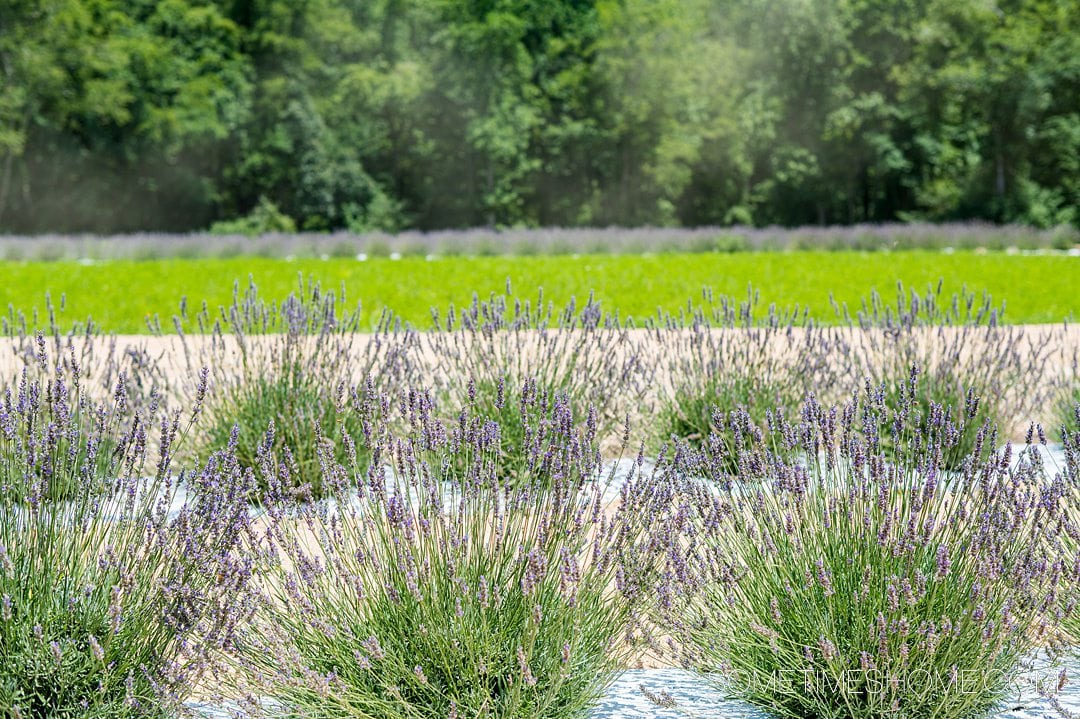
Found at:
[839, 531]
[544, 241]
[678, 377]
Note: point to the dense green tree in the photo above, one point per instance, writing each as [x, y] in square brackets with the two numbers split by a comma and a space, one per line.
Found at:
[389, 114]
[994, 91]
[119, 107]
[673, 98]
[519, 119]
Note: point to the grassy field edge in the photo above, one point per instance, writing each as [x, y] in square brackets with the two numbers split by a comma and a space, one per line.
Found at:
[122, 295]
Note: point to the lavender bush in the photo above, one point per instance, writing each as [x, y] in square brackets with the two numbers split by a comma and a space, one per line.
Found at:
[834, 579]
[484, 353]
[525, 416]
[944, 393]
[111, 597]
[726, 355]
[433, 587]
[102, 359]
[289, 364]
[967, 356]
[1069, 474]
[1069, 399]
[304, 412]
[80, 431]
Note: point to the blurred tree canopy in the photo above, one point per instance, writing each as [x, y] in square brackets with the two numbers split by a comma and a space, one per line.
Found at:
[125, 115]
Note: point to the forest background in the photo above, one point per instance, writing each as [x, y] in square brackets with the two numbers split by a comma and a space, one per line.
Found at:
[179, 115]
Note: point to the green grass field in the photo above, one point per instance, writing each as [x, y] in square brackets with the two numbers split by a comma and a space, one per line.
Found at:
[121, 295]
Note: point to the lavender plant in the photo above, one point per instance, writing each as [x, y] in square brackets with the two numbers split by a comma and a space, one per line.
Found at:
[942, 392]
[113, 592]
[51, 471]
[837, 580]
[1067, 411]
[965, 352]
[1069, 474]
[289, 364]
[722, 356]
[493, 347]
[524, 417]
[1069, 399]
[435, 587]
[298, 406]
[101, 357]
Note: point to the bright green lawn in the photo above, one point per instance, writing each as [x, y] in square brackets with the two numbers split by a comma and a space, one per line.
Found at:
[120, 295]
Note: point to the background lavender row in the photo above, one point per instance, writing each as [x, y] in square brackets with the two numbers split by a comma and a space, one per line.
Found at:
[542, 241]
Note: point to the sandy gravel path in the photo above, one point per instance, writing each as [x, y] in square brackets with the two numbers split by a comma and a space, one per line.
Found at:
[174, 361]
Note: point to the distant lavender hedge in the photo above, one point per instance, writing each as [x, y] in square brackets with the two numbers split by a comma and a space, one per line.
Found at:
[542, 241]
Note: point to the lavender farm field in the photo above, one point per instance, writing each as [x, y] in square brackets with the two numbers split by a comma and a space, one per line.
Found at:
[494, 518]
[122, 295]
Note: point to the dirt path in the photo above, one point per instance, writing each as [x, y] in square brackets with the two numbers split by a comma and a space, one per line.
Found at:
[1049, 350]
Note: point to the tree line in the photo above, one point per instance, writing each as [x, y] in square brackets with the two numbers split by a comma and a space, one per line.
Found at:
[125, 115]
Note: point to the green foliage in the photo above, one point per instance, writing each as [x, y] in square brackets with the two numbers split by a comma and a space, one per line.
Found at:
[265, 218]
[982, 89]
[451, 113]
[117, 104]
[382, 214]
